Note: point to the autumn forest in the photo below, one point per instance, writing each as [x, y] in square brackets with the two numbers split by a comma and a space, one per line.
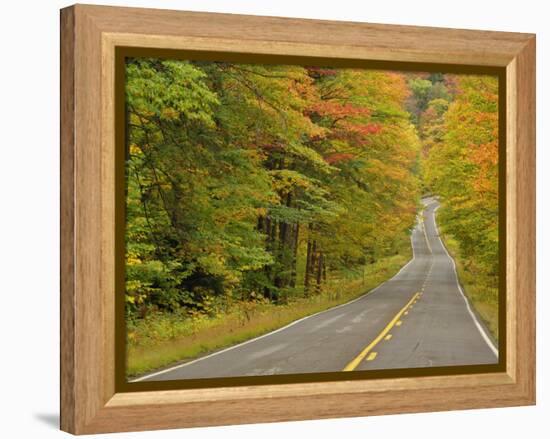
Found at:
[258, 194]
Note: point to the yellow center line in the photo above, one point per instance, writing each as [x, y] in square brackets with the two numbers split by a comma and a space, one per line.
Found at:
[372, 356]
[352, 365]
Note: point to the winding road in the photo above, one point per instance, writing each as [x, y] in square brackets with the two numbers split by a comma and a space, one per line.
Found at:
[418, 318]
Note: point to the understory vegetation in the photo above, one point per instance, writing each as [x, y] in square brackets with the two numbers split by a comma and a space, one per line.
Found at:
[165, 338]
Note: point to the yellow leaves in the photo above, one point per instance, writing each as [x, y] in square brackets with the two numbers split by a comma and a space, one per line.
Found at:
[195, 196]
[261, 211]
[133, 261]
[169, 113]
[285, 180]
[214, 263]
[387, 170]
[135, 149]
[462, 167]
[135, 298]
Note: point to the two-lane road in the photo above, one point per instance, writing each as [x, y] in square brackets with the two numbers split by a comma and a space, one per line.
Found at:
[418, 318]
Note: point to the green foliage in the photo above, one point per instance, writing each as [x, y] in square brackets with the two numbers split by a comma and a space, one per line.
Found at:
[421, 91]
[163, 338]
[240, 174]
[261, 185]
[463, 170]
[425, 92]
[461, 149]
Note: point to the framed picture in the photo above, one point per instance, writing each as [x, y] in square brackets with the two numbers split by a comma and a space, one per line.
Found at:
[268, 219]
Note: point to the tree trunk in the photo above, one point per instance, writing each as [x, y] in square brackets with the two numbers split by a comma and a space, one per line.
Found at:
[295, 255]
[274, 249]
[267, 229]
[261, 221]
[268, 294]
[309, 258]
[273, 234]
[320, 263]
[313, 260]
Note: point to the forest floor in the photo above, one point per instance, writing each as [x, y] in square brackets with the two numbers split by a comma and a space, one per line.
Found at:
[163, 339]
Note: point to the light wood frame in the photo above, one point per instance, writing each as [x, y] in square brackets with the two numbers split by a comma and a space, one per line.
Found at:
[89, 35]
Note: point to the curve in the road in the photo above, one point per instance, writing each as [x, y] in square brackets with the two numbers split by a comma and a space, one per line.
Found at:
[418, 318]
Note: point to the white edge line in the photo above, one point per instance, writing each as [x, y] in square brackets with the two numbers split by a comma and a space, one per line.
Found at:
[368, 293]
[474, 317]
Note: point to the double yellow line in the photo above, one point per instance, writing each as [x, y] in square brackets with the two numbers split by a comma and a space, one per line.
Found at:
[357, 360]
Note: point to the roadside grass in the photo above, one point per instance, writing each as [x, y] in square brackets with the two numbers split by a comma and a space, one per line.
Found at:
[478, 286]
[163, 339]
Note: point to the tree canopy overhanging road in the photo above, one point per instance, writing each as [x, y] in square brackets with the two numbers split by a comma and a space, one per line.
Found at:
[260, 194]
[419, 318]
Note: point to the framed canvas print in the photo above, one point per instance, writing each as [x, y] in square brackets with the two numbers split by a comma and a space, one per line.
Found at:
[268, 219]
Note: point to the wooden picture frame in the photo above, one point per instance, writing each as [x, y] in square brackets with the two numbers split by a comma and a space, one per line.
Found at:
[90, 399]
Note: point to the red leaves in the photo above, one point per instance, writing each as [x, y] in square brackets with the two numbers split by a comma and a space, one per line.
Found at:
[357, 133]
[318, 72]
[337, 110]
[485, 154]
[372, 128]
[338, 157]
[317, 137]
[344, 126]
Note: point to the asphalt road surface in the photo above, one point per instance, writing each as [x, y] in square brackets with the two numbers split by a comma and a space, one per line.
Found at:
[418, 318]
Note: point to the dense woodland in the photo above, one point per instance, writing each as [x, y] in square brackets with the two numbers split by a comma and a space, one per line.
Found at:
[249, 183]
[461, 150]
[459, 133]
[238, 174]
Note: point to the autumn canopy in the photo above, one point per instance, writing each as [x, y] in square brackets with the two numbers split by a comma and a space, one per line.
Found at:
[267, 183]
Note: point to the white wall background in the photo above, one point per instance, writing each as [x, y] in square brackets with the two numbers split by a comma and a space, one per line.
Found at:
[29, 219]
